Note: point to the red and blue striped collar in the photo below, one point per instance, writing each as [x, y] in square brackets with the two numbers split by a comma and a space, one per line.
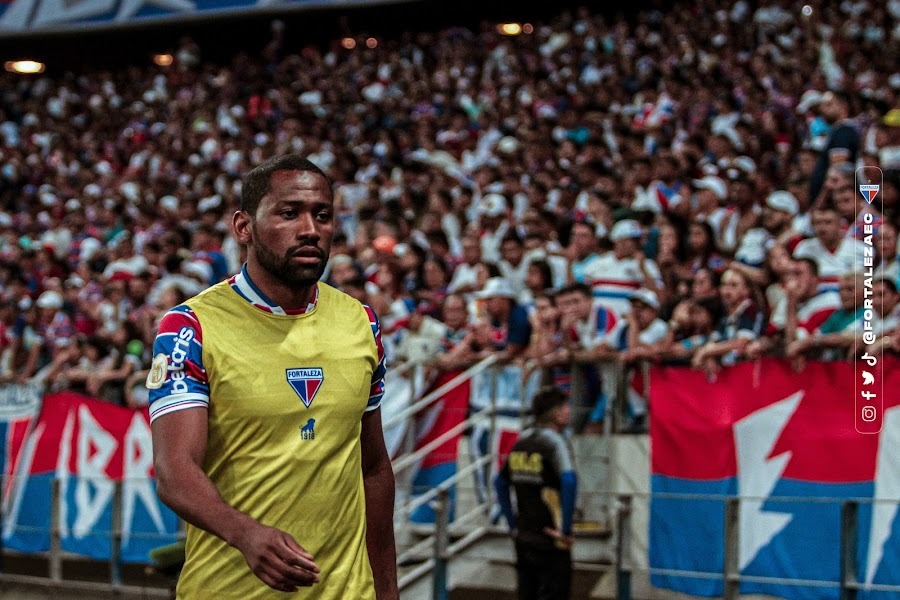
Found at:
[246, 289]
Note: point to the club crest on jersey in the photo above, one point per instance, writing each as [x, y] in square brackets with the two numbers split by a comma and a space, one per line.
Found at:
[306, 382]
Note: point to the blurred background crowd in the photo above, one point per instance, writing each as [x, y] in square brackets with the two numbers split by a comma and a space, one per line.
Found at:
[679, 187]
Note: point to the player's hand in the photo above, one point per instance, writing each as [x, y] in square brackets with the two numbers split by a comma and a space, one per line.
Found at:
[277, 559]
[563, 541]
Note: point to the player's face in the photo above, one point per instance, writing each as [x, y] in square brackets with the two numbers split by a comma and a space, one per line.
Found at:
[292, 231]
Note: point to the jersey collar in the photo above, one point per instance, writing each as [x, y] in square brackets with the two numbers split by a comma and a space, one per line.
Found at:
[246, 289]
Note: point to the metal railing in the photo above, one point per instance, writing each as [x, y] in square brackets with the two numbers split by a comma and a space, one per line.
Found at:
[438, 497]
[472, 525]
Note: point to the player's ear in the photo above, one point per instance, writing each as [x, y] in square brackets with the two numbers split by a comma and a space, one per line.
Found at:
[241, 225]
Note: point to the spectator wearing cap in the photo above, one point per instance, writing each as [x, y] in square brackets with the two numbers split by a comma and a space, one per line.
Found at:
[742, 323]
[711, 191]
[618, 273]
[834, 253]
[635, 339]
[509, 321]
[55, 325]
[777, 214]
[842, 145]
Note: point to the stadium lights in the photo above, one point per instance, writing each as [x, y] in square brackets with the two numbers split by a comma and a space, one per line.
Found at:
[348, 43]
[509, 28]
[163, 60]
[24, 67]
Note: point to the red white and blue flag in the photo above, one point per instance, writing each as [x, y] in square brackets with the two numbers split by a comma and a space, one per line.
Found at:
[789, 446]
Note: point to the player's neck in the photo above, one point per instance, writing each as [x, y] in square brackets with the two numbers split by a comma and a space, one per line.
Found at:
[285, 296]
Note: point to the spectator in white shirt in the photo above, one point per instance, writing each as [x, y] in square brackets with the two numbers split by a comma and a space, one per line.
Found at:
[465, 276]
[493, 212]
[615, 276]
[514, 264]
[834, 253]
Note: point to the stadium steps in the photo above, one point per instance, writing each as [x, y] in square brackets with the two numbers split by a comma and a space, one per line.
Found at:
[25, 577]
[485, 570]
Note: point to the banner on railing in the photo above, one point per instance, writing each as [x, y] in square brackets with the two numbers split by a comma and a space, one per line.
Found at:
[19, 405]
[439, 465]
[87, 445]
[786, 442]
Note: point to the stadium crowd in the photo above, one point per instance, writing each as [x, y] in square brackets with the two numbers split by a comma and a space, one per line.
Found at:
[681, 187]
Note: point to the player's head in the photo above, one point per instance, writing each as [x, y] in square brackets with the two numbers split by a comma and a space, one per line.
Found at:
[286, 219]
[551, 407]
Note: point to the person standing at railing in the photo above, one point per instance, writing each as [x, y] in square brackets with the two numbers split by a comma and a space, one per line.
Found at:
[265, 412]
[540, 469]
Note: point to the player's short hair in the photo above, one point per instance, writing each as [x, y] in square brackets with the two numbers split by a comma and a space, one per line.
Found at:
[257, 181]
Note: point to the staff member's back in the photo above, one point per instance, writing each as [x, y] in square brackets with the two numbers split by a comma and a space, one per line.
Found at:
[541, 471]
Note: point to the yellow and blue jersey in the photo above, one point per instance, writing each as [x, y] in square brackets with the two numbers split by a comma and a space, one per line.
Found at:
[285, 392]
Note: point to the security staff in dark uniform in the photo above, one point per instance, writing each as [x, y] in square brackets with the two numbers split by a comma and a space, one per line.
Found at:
[541, 470]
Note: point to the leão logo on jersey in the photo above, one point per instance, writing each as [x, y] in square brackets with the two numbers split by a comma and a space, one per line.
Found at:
[869, 191]
[306, 382]
[308, 431]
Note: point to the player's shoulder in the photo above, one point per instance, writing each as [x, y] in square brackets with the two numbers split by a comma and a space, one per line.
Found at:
[213, 295]
[334, 299]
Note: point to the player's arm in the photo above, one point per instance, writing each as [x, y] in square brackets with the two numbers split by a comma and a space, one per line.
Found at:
[378, 480]
[179, 396]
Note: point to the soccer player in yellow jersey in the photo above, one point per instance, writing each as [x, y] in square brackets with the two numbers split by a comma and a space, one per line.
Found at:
[265, 394]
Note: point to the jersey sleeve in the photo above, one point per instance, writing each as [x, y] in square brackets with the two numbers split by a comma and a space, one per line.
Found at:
[376, 392]
[178, 379]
